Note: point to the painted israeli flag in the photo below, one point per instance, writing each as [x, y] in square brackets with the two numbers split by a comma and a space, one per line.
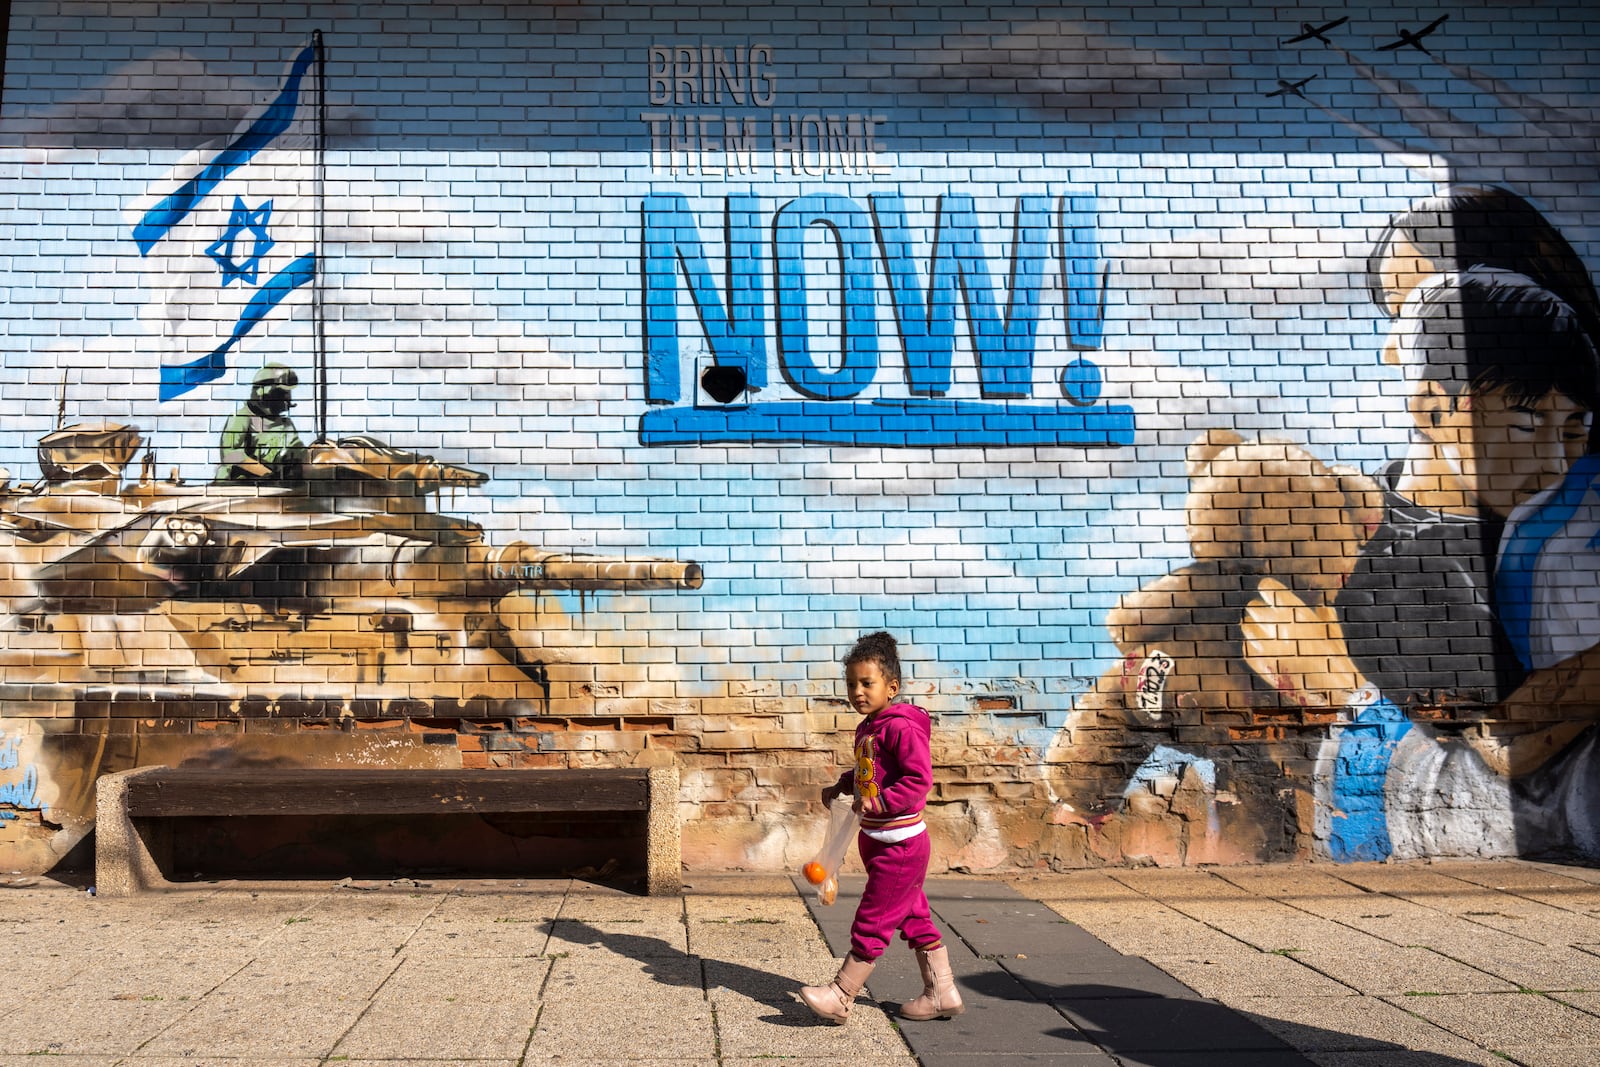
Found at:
[1548, 574]
[230, 233]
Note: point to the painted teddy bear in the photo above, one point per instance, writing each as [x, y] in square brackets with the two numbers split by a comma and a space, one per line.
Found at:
[1256, 509]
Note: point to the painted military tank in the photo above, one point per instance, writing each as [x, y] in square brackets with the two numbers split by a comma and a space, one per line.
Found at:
[347, 585]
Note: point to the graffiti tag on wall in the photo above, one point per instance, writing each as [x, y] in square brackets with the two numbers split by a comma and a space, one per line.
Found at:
[19, 782]
[1152, 687]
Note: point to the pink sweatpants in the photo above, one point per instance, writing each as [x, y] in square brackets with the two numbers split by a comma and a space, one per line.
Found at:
[893, 899]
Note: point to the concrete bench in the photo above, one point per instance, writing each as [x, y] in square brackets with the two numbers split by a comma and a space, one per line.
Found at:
[134, 809]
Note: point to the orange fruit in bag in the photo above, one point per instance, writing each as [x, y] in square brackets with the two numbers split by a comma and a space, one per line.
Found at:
[815, 872]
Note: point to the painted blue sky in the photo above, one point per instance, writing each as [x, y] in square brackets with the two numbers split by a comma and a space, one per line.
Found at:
[485, 181]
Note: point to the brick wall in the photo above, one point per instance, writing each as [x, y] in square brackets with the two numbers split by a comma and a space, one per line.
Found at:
[1041, 338]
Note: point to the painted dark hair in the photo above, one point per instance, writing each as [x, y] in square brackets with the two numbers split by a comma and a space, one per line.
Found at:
[1486, 329]
[880, 648]
[1471, 226]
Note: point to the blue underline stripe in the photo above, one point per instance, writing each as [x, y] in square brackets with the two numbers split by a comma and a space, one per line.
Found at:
[890, 423]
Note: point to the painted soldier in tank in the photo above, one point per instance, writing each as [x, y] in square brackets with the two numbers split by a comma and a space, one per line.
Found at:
[259, 441]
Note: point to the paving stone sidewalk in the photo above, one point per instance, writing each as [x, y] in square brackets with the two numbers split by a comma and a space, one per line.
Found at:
[1366, 965]
[1406, 965]
[1040, 990]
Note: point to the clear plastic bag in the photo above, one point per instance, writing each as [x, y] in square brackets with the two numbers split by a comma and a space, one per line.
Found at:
[823, 870]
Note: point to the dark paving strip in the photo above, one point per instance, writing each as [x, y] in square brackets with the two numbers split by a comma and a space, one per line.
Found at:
[1040, 990]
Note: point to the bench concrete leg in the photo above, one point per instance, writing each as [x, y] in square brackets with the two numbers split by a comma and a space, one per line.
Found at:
[664, 840]
[126, 860]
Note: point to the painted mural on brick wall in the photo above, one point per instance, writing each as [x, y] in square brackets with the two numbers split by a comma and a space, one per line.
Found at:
[1215, 436]
[1428, 625]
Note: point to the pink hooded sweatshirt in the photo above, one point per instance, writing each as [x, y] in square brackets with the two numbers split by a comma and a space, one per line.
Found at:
[893, 771]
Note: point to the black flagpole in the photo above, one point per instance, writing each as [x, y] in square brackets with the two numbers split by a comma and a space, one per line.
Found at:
[317, 314]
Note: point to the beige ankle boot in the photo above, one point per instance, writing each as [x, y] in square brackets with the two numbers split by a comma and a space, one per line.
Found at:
[833, 1001]
[939, 999]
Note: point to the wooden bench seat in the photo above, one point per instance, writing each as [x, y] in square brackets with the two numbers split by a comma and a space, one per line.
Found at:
[132, 845]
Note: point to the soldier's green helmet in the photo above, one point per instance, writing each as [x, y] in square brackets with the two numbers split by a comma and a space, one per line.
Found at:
[270, 390]
[274, 376]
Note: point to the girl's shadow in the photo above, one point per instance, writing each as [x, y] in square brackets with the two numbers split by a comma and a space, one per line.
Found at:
[670, 965]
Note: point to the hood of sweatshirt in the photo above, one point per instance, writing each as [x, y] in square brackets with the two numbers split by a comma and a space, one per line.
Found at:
[910, 714]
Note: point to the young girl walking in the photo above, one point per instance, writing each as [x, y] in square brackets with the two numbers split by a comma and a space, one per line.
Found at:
[891, 779]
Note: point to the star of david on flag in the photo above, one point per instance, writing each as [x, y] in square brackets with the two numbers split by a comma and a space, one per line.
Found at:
[224, 250]
[229, 234]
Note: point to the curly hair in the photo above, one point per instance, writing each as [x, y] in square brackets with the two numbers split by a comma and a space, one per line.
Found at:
[880, 648]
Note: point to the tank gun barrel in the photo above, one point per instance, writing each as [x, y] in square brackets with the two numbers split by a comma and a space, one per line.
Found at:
[526, 567]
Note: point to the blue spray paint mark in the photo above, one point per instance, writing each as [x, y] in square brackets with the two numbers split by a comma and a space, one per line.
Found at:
[20, 794]
[1165, 762]
[1359, 828]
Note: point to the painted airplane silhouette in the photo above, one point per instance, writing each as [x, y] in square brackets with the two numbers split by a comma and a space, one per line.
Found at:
[1290, 87]
[1308, 31]
[1414, 39]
